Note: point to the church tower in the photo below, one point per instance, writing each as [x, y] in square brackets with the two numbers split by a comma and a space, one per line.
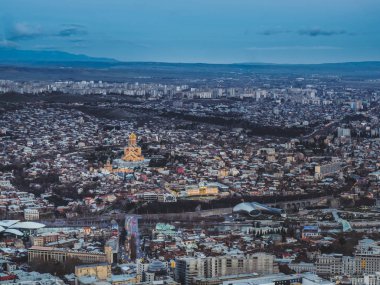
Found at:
[132, 153]
[132, 140]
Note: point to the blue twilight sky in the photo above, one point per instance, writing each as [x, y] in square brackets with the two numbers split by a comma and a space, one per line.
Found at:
[214, 31]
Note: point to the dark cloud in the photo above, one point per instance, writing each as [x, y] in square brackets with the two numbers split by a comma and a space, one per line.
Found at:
[16, 33]
[72, 30]
[76, 40]
[316, 32]
[274, 32]
[320, 32]
[269, 48]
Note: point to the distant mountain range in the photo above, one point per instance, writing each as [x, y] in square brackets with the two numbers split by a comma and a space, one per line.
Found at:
[12, 56]
[56, 65]
[40, 57]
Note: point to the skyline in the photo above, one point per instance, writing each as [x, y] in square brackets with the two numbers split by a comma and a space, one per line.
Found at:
[193, 31]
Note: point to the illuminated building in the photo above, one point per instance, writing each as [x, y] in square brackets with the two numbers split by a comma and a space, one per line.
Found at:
[132, 152]
[101, 270]
[200, 190]
[222, 173]
[131, 159]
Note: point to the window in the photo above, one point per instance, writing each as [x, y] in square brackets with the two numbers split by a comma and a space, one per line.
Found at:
[229, 263]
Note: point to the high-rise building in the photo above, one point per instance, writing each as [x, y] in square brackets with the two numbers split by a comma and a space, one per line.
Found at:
[344, 132]
[366, 260]
[132, 241]
[327, 169]
[188, 268]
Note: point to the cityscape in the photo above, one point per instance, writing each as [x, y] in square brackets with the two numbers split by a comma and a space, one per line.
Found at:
[188, 164]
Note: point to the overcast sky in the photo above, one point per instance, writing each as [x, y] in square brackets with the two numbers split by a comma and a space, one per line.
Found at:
[214, 31]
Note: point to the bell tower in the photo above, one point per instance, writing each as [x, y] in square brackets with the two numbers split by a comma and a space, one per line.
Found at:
[132, 140]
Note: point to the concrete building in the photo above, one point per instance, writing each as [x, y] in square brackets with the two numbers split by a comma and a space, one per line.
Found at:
[43, 239]
[188, 268]
[31, 214]
[303, 267]
[327, 169]
[329, 264]
[200, 190]
[282, 279]
[47, 254]
[344, 132]
[167, 198]
[101, 270]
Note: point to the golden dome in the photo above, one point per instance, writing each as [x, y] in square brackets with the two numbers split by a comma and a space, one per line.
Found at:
[132, 136]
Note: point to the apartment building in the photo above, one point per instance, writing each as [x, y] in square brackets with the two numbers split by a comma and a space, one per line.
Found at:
[188, 268]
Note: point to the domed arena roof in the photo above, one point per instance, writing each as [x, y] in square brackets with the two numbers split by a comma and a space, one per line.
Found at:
[14, 231]
[8, 223]
[14, 226]
[156, 266]
[244, 207]
[27, 225]
[255, 209]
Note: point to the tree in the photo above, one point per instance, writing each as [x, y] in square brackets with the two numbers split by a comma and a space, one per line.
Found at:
[54, 267]
[284, 268]
[283, 236]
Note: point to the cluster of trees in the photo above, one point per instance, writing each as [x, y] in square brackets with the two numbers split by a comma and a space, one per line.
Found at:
[356, 117]
[344, 244]
[22, 183]
[284, 268]
[191, 205]
[11, 167]
[362, 201]
[254, 129]
[101, 154]
[317, 145]
[54, 267]
[260, 233]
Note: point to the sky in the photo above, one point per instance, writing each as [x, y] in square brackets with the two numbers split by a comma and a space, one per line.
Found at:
[210, 31]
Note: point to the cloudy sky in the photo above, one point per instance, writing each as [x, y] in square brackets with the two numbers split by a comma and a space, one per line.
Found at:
[214, 31]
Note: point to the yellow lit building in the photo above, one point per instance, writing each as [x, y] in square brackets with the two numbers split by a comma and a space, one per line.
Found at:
[132, 152]
[200, 190]
[101, 270]
[131, 158]
[123, 280]
[222, 173]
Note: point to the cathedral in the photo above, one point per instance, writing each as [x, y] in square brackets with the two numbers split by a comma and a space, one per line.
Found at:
[132, 152]
[132, 158]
